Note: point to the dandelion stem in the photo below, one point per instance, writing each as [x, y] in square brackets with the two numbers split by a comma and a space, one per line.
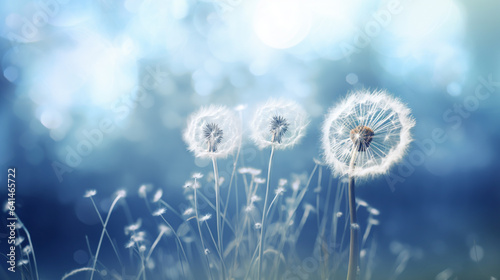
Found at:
[352, 272]
[263, 225]
[199, 231]
[217, 211]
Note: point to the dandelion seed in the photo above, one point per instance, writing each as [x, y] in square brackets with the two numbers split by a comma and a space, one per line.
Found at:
[207, 251]
[254, 198]
[374, 124]
[361, 202]
[280, 123]
[282, 182]
[27, 250]
[188, 211]
[213, 136]
[279, 191]
[158, 195]
[90, 193]
[142, 191]
[22, 262]
[374, 211]
[197, 175]
[133, 227]
[187, 185]
[254, 171]
[296, 185]
[373, 221]
[130, 244]
[121, 193]
[244, 170]
[259, 180]
[339, 214]
[258, 226]
[249, 208]
[213, 132]
[355, 226]
[19, 240]
[159, 212]
[142, 248]
[278, 128]
[166, 230]
[205, 217]
[138, 237]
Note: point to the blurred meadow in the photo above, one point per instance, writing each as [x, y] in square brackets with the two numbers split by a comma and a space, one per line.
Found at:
[96, 95]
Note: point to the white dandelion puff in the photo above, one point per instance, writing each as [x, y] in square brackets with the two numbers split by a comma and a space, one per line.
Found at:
[374, 124]
[213, 131]
[197, 175]
[142, 191]
[158, 195]
[205, 217]
[90, 193]
[280, 123]
[259, 180]
[159, 212]
[133, 227]
[188, 211]
[121, 193]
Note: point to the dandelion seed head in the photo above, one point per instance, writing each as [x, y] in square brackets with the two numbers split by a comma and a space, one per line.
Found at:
[278, 122]
[375, 124]
[166, 230]
[374, 211]
[188, 211]
[205, 217]
[188, 184]
[259, 180]
[90, 193]
[158, 195]
[197, 175]
[212, 131]
[133, 227]
[142, 191]
[296, 185]
[279, 191]
[159, 212]
[338, 214]
[121, 193]
[254, 171]
[361, 202]
[142, 248]
[282, 182]
[254, 198]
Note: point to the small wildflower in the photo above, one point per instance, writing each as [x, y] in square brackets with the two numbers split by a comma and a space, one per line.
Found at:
[158, 195]
[374, 211]
[373, 221]
[282, 182]
[133, 227]
[166, 230]
[339, 214]
[159, 212]
[142, 191]
[205, 217]
[188, 211]
[361, 202]
[90, 193]
[259, 180]
[257, 225]
[296, 185]
[130, 244]
[121, 193]
[207, 251]
[254, 198]
[188, 184]
[279, 191]
[197, 175]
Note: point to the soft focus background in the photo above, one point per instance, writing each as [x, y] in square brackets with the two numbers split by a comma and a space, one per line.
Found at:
[95, 95]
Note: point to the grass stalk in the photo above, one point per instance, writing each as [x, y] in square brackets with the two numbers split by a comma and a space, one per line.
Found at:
[264, 216]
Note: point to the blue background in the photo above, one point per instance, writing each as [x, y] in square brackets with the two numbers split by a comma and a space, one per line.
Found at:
[142, 67]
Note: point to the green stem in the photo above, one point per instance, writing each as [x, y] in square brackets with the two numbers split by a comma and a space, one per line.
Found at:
[352, 272]
[263, 224]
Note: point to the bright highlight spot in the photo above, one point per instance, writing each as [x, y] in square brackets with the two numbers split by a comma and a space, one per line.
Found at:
[281, 24]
